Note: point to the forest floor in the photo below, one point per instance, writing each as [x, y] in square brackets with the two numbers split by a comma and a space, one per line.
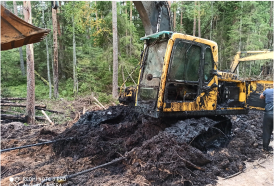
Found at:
[158, 152]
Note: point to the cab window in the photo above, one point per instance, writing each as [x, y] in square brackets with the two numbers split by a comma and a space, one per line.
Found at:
[208, 66]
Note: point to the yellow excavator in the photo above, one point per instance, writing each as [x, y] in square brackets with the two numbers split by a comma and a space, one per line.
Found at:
[179, 77]
[260, 55]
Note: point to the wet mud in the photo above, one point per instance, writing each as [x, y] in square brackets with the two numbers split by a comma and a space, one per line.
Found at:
[160, 152]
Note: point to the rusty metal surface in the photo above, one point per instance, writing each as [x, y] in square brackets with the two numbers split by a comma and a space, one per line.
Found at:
[16, 32]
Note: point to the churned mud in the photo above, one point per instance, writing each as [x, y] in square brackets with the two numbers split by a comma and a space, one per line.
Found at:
[159, 152]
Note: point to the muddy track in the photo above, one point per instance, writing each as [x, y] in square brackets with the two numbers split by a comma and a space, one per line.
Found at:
[161, 152]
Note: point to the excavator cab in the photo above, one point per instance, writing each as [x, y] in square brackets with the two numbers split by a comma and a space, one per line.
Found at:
[179, 77]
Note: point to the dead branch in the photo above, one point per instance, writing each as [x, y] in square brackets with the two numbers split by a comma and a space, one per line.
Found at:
[99, 103]
[234, 174]
[53, 111]
[21, 105]
[47, 117]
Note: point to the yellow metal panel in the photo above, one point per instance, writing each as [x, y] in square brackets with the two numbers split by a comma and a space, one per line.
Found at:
[164, 74]
[269, 55]
[195, 105]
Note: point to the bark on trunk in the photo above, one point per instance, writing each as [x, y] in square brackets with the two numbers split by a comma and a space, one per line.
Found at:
[20, 48]
[199, 20]
[30, 108]
[126, 29]
[55, 44]
[181, 20]
[270, 32]
[75, 89]
[194, 22]
[115, 51]
[174, 19]
[96, 16]
[130, 19]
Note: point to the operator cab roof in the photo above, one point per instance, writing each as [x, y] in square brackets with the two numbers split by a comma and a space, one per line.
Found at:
[157, 35]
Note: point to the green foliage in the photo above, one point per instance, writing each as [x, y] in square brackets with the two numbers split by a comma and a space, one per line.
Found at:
[233, 25]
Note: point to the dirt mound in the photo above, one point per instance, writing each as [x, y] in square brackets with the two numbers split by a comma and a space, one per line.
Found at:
[105, 135]
[169, 159]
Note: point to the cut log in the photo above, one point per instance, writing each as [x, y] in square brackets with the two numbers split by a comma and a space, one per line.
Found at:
[5, 101]
[19, 117]
[6, 111]
[13, 98]
[21, 105]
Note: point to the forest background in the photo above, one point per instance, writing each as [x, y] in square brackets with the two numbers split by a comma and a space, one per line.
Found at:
[234, 25]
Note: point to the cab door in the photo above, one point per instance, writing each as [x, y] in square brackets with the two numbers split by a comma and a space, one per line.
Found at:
[190, 81]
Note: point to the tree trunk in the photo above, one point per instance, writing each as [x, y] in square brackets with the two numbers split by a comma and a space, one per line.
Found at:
[270, 32]
[96, 16]
[126, 30]
[30, 108]
[55, 45]
[194, 22]
[199, 20]
[122, 67]
[115, 51]
[47, 48]
[130, 19]
[211, 20]
[181, 20]
[20, 48]
[174, 18]
[74, 61]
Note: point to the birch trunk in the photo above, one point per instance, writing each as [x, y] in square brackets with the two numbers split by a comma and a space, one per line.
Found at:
[194, 22]
[115, 51]
[55, 56]
[30, 107]
[20, 48]
[47, 48]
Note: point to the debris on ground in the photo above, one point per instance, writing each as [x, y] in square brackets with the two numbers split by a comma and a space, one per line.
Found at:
[193, 151]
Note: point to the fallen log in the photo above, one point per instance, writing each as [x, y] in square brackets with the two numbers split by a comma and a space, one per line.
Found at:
[21, 105]
[5, 111]
[19, 117]
[13, 98]
[53, 111]
[6, 101]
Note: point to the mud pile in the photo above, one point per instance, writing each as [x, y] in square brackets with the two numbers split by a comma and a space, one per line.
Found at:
[185, 152]
[105, 135]
[168, 159]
